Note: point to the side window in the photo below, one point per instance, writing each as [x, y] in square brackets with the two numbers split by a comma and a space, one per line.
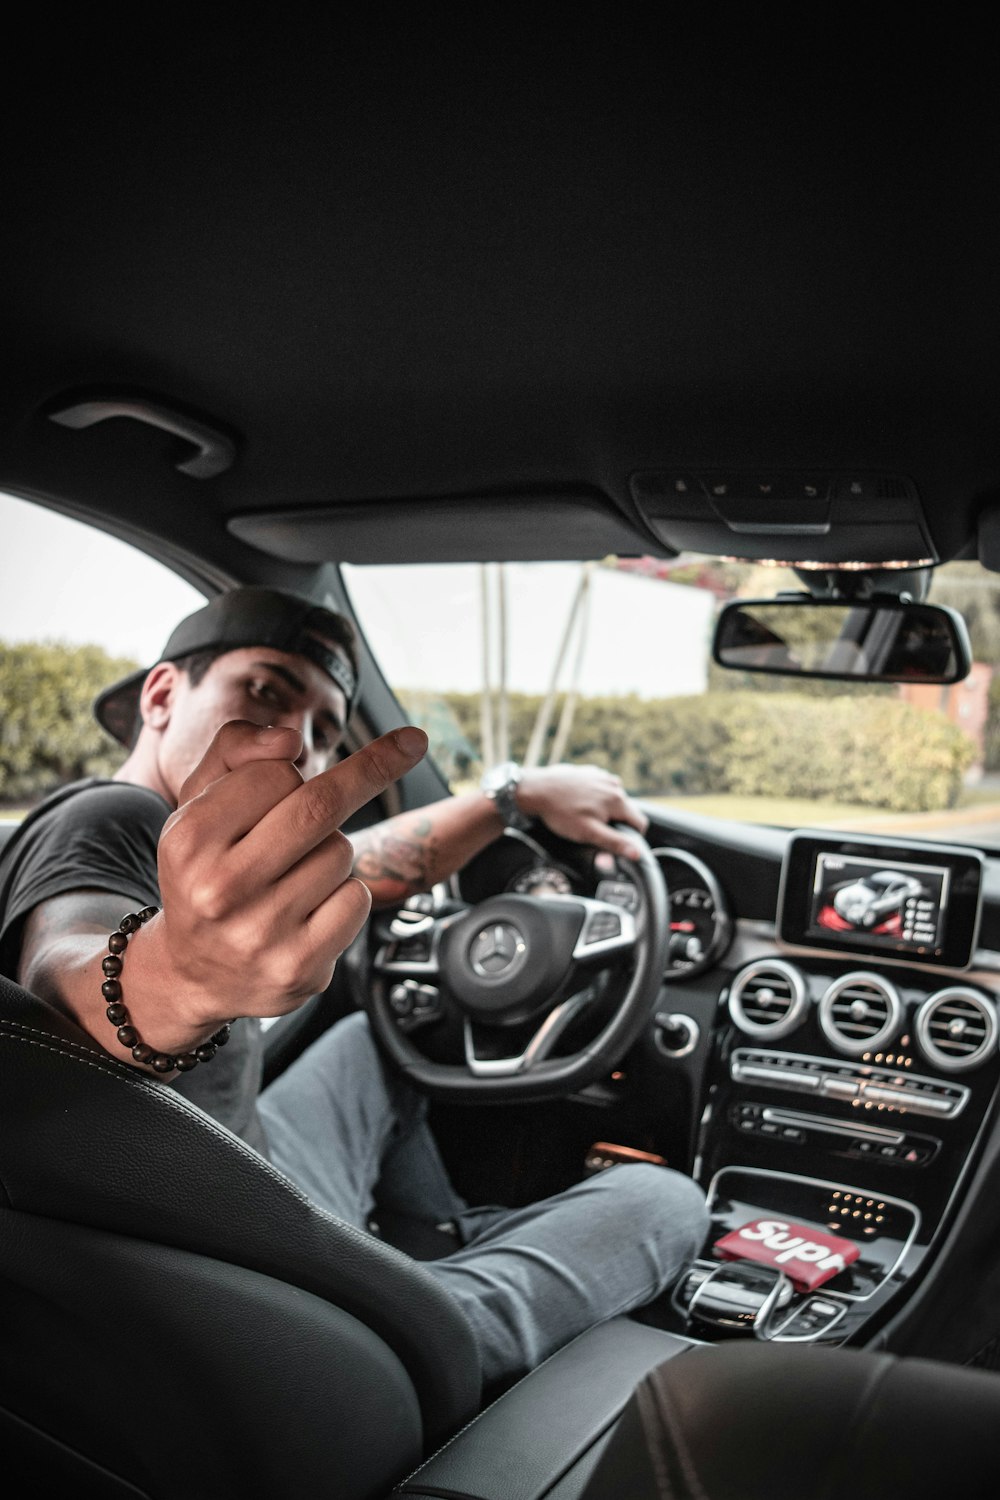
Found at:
[78, 609]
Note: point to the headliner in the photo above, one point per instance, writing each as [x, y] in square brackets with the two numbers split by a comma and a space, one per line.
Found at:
[497, 268]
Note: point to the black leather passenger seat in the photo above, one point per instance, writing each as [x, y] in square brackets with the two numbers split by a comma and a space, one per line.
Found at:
[760, 1421]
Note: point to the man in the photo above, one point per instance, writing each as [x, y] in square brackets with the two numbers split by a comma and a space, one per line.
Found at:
[222, 828]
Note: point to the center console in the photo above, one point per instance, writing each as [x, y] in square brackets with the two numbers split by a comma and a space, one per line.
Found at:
[721, 1297]
[854, 1074]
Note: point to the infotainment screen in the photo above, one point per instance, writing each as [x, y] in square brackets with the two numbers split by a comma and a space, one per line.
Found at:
[883, 899]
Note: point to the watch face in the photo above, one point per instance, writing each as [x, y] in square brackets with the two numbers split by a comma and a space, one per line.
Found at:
[499, 777]
[500, 784]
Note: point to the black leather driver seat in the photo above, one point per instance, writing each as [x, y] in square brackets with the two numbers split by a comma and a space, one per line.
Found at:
[180, 1316]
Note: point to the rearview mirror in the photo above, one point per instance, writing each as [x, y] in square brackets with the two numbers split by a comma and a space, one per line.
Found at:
[882, 640]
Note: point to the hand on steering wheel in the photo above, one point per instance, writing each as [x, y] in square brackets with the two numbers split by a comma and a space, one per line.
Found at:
[523, 965]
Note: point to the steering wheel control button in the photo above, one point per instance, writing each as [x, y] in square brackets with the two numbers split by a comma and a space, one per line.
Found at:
[602, 925]
[415, 937]
[618, 893]
[411, 922]
[605, 929]
[498, 951]
[414, 1005]
[417, 949]
[401, 999]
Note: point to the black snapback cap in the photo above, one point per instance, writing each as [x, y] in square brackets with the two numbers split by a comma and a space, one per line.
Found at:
[244, 617]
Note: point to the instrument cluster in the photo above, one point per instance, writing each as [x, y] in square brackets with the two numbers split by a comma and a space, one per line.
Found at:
[701, 922]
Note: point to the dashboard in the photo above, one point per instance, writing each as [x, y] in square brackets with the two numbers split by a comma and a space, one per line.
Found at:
[826, 1043]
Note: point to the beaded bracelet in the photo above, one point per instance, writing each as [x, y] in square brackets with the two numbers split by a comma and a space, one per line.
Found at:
[160, 1062]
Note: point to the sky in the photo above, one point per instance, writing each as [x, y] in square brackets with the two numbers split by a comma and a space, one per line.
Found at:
[643, 635]
[63, 580]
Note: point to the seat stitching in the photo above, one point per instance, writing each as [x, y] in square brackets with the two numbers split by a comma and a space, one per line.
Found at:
[160, 1094]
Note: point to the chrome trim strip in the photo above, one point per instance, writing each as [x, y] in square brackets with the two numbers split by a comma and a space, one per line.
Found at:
[833, 1127]
[947, 1099]
[839, 1187]
[538, 1048]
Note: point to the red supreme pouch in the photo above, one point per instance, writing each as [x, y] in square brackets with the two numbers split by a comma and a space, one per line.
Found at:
[807, 1256]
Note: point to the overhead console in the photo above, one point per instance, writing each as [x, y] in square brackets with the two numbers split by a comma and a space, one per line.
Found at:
[881, 900]
[775, 512]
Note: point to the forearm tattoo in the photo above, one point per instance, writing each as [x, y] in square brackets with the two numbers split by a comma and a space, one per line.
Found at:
[398, 861]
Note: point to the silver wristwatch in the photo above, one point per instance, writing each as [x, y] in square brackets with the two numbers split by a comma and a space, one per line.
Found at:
[500, 785]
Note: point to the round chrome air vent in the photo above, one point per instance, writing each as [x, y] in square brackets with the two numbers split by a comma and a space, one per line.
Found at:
[957, 1029]
[859, 1012]
[768, 998]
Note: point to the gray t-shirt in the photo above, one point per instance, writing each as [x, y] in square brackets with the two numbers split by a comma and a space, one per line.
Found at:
[102, 835]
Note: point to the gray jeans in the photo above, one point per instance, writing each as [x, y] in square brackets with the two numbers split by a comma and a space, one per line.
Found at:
[350, 1134]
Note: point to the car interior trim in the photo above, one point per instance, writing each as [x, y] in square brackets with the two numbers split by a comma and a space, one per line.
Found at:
[715, 1194]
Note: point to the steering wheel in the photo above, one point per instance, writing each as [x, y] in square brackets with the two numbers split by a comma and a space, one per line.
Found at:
[514, 971]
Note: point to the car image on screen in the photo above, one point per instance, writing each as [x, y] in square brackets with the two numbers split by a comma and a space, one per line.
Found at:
[874, 903]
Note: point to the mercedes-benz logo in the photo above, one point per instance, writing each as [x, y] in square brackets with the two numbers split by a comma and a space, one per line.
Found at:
[497, 951]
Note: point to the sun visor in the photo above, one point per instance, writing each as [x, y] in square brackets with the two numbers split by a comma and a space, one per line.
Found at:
[473, 529]
[807, 516]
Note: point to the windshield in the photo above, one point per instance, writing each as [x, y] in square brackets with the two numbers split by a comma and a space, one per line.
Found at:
[609, 662]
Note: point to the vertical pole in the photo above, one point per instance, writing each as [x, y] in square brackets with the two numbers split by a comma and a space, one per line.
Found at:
[562, 733]
[533, 754]
[486, 690]
[503, 717]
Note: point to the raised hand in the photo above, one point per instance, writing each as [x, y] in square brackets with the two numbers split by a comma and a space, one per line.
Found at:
[255, 876]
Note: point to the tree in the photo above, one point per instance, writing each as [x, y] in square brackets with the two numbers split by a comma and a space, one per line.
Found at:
[964, 587]
[48, 734]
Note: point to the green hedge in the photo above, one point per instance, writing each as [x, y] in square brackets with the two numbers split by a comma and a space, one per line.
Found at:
[48, 734]
[875, 750]
[872, 750]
